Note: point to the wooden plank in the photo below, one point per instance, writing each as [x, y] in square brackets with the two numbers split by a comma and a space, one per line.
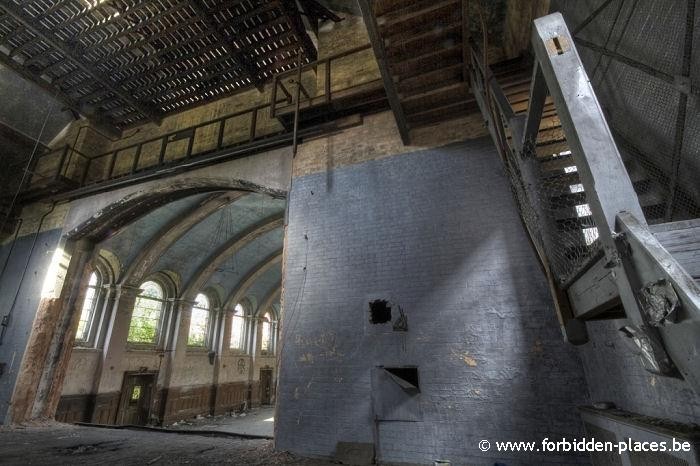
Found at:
[443, 113]
[431, 61]
[426, 81]
[421, 44]
[682, 240]
[436, 98]
[389, 84]
[416, 15]
[594, 292]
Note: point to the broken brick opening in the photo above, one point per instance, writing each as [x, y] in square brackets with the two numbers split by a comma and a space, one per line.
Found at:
[379, 311]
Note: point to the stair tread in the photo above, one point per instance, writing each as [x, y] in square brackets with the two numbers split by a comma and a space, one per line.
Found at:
[682, 240]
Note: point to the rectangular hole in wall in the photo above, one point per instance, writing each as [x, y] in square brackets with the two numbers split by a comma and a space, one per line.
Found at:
[396, 394]
[379, 311]
[405, 377]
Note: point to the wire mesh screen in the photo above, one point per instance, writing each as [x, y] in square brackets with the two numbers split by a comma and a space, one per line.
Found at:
[645, 70]
[553, 202]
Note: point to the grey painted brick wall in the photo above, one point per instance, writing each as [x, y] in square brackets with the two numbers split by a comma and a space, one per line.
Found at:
[18, 331]
[437, 233]
[614, 373]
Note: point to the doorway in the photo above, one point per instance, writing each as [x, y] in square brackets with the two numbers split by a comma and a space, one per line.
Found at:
[137, 392]
[266, 386]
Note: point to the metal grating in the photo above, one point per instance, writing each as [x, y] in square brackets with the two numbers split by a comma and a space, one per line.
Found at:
[637, 54]
[125, 62]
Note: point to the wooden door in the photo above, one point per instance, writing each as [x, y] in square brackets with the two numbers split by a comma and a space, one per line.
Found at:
[265, 386]
[136, 399]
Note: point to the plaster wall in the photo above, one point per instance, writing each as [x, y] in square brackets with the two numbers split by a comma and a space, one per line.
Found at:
[20, 299]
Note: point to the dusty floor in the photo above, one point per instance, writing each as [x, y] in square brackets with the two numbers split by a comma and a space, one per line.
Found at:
[258, 421]
[62, 444]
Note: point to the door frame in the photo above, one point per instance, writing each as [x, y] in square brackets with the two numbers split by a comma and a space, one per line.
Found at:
[123, 397]
[270, 370]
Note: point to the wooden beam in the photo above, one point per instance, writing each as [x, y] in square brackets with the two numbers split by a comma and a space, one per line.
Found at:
[594, 292]
[389, 85]
[51, 39]
[104, 124]
[237, 55]
[292, 12]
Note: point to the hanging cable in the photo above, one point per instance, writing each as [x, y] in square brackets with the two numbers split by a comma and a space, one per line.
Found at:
[6, 318]
[26, 167]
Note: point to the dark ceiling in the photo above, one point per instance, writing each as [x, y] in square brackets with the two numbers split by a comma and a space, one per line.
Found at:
[125, 62]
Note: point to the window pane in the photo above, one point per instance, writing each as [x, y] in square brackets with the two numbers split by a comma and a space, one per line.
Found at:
[201, 301]
[198, 327]
[88, 310]
[266, 334]
[145, 320]
[237, 330]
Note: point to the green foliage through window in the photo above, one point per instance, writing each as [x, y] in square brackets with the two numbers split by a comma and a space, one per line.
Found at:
[199, 322]
[146, 318]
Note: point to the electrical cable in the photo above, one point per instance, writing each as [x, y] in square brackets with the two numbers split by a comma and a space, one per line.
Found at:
[6, 318]
[26, 168]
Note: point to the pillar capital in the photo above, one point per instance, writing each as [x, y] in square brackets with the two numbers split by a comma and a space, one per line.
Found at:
[181, 304]
[127, 291]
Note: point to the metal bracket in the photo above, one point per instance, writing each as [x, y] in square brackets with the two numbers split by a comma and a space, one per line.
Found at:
[660, 303]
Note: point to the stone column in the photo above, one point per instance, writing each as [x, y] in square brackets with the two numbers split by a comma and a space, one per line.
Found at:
[115, 343]
[221, 347]
[253, 322]
[182, 310]
[62, 334]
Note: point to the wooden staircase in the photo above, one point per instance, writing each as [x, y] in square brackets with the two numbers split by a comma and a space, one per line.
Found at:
[425, 64]
[595, 219]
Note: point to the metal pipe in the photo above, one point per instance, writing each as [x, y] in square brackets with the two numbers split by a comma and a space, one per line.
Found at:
[295, 141]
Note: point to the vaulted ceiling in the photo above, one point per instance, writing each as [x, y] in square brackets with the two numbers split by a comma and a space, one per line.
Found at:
[225, 243]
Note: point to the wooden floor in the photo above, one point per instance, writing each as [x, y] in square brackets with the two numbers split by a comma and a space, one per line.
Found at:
[682, 240]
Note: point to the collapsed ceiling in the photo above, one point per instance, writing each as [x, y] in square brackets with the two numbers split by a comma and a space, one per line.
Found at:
[126, 62]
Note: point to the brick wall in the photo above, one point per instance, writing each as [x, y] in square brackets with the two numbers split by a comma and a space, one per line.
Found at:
[614, 373]
[435, 232]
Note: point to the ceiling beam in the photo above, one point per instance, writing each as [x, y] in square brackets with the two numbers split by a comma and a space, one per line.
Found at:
[73, 54]
[236, 54]
[105, 125]
[292, 12]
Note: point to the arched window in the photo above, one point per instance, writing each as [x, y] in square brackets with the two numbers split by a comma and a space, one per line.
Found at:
[199, 322]
[88, 311]
[238, 328]
[266, 343]
[147, 316]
